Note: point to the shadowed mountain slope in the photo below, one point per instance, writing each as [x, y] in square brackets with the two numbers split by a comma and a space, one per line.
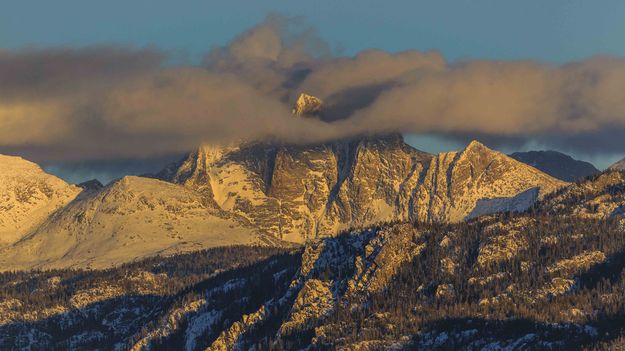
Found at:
[557, 164]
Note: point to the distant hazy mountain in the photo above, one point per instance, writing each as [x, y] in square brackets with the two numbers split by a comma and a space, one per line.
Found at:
[91, 185]
[556, 164]
[619, 165]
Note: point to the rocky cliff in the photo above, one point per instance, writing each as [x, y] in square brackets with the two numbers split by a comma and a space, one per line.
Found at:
[307, 105]
[296, 192]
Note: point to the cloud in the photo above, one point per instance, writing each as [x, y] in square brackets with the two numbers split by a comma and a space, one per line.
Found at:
[120, 102]
[507, 99]
[272, 56]
[368, 68]
[173, 109]
[41, 73]
[488, 97]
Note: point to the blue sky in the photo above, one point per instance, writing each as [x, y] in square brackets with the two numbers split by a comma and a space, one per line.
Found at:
[555, 31]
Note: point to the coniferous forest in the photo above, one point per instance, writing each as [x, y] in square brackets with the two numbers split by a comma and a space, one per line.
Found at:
[552, 277]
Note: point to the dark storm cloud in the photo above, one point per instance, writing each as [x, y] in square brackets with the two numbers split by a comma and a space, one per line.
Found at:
[75, 104]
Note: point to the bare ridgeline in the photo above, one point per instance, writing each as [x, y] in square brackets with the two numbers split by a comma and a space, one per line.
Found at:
[361, 244]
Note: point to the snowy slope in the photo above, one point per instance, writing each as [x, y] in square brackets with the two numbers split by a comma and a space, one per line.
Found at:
[456, 181]
[619, 165]
[132, 218]
[28, 196]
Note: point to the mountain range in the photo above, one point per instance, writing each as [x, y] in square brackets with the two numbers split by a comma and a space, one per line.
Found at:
[358, 244]
[264, 194]
[260, 193]
[547, 278]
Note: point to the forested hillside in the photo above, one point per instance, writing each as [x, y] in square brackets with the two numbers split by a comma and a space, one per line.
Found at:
[551, 277]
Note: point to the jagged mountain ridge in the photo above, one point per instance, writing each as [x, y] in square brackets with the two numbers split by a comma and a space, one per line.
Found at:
[557, 164]
[456, 182]
[270, 193]
[285, 190]
[301, 192]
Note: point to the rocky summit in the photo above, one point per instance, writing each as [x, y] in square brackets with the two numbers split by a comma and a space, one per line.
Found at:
[28, 196]
[295, 193]
[307, 105]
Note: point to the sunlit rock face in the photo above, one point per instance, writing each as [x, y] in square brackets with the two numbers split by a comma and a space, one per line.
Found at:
[307, 105]
[298, 192]
[456, 181]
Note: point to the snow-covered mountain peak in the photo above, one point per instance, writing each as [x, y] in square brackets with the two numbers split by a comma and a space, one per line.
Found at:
[477, 147]
[16, 164]
[307, 105]
[131, 217]
[287, 192]
[28, 195]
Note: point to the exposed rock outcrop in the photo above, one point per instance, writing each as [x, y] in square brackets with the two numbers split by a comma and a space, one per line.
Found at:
[307, 105]
[300, 192]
